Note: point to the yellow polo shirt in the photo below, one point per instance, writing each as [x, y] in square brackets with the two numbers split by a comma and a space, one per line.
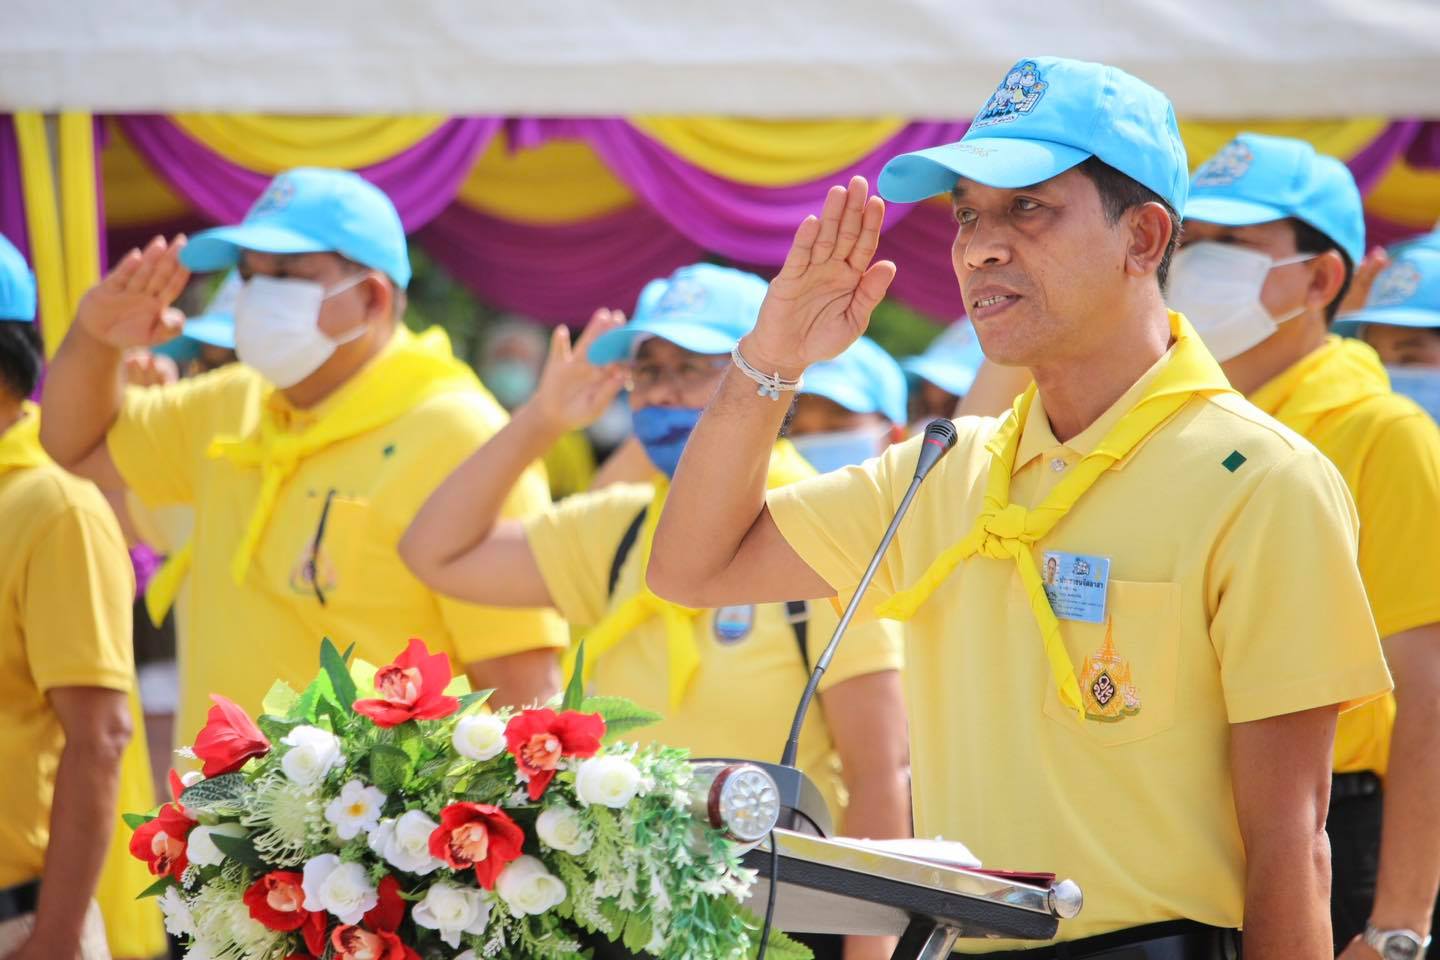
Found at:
[242, 638]
[66, 587]
[742, 698]
[1388, 451]
[1233, 596]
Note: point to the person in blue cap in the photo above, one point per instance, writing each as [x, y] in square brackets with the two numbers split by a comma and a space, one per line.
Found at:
[587, 556]
[1146, 723]
[1273, 234]
[66, 665]
[305, 461]
[850, 409]
[207, 341]
[1401, 321]
[944, 373]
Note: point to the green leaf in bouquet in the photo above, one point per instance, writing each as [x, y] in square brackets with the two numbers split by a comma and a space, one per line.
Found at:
[334, 664]
[240, 849]
[279, 700]
[136, 820]
[275, 728]
[390, 768]
[575, 689]
[307, 708]
[157, 888]
[474, 699]
[226, 793]
[638, 931]
[620, 715]
[783, 947]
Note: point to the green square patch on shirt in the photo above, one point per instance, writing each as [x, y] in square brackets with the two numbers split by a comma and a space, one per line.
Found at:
[1233, 462]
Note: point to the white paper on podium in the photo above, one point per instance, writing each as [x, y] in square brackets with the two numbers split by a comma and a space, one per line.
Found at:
[947, 853]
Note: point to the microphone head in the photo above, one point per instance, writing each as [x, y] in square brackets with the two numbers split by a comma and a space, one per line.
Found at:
[940, 437]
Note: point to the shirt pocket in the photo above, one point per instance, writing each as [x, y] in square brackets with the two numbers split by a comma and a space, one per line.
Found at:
[345, 553]
[1127, 669]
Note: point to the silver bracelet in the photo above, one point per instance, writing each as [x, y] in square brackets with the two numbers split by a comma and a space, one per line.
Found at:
[771, 384]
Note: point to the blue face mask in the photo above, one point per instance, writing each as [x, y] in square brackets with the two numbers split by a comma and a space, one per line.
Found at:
[1421, 384]
[843, 448]
[663, 432]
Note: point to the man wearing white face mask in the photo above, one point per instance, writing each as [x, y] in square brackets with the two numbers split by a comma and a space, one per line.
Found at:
[850, 408]
[1273, 232]
[304, 462]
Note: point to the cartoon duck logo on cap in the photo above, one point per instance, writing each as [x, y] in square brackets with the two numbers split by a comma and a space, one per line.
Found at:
[1227, 166]
[276, 197]
[1016, 95]
[1396, 285]
[684, 296]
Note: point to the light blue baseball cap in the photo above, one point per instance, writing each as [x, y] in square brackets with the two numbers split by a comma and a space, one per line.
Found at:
[17, 285]
[216, 326]
[1259, 179]
[1047, 115]
[312, 210]
[863, 379]
[1405, 294]
[951, 361]
[703, 308]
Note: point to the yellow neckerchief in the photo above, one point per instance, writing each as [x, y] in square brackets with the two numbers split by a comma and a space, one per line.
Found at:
[1338, 375]
[1007, 531]
[20, 445]
[164, 585]
[410, 370]
[683, 653]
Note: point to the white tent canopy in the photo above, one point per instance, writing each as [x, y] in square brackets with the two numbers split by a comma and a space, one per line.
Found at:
[1218, 59]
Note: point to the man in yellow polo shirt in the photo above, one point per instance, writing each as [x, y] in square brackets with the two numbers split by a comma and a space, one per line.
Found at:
[725, 680]
[1273, 232]
[304, 462]
[65, 666]
[1158, 724]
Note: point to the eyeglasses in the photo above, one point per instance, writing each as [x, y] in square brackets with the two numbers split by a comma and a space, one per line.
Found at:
[687, 375]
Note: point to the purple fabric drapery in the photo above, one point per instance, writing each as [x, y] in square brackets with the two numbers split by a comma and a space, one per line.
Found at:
[12, 192]
[421, 181]
[558, 273]
[920, 247]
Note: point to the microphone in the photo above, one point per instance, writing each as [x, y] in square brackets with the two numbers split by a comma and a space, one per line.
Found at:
[940, 437]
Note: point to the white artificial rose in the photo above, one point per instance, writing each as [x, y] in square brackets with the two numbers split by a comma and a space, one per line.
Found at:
[202, 850]
[404, 843]
[452, 910]
[191, 777]
[559, 827]
[178, 921]
[528, 888]
[342, 889]
[479, 736]
[607, 781]
[313, 753]
[356, 810]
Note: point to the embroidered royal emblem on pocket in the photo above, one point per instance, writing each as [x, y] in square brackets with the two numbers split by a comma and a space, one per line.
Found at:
[1107, 683]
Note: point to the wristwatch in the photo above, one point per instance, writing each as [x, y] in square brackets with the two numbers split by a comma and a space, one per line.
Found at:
[1395, 944]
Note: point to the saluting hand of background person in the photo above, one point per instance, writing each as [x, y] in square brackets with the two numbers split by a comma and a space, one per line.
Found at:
[131, 307]
[573, 392]
[821, 300]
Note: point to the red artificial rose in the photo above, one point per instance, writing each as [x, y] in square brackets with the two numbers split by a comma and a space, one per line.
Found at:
[411, 688]
[277, 901]
[477, 835]
[539, 738]
[352, 942]
[229, 739]
[161, 843]
[389, 913]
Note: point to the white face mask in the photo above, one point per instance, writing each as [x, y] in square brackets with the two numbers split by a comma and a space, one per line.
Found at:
[841, 448]
[277, 327]
[1421, 384]
[1217, 286]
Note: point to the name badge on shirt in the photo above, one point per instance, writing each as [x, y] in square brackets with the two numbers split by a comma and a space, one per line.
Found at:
[1076, 585]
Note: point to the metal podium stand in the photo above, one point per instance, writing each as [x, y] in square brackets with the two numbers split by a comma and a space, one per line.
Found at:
[835, 886]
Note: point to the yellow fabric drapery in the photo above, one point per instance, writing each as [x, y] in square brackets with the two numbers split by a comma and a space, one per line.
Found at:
[268, 143]
[1407, 196]
[561, 181]
[769, 153]
[1336, 138]
[135, 195]
[42, 220]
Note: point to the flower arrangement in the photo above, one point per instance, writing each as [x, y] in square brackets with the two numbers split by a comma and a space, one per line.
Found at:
[383, 815]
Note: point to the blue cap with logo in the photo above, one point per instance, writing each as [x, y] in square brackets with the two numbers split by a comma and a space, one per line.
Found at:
[863, 379]
[17, 285]
[703, 308]
[1047, 115]
[1405, 294]
[951, 361]
[1260, 179]
[312, 210]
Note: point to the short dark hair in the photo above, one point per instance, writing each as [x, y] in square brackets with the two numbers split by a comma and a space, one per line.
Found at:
[1310, 240]
[1120, 193]
[20, 358]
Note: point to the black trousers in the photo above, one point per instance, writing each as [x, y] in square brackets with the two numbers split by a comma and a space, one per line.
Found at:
[1356, 809]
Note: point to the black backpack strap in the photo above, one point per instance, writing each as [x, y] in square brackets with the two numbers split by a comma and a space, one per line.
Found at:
[627, 543]
[798, 612]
